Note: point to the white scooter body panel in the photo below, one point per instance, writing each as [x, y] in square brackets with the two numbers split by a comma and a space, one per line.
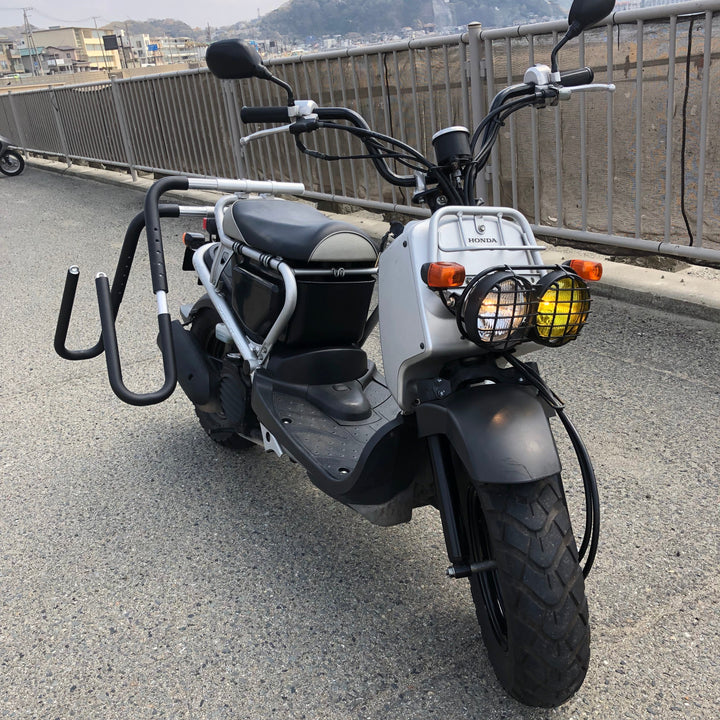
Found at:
[418, 334]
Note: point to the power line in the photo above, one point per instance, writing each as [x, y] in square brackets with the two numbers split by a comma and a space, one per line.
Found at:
[62, 20]
[50, 17]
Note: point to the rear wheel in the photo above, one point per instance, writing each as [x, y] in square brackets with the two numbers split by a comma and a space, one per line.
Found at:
[216, 424]
[532, 608]
[11, 163]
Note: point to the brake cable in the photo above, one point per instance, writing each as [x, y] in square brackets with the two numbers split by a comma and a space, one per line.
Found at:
[591, 534]
[491, 123]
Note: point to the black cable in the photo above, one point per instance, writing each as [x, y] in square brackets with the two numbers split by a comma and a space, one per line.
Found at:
[364, 135]
[497, 117]
[372, 140]
[380, 153]
[492, 117]
[684, 134]
[591, 534]
[387, 92]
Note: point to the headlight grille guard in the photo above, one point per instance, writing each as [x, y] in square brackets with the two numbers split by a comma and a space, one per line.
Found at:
[546, 304]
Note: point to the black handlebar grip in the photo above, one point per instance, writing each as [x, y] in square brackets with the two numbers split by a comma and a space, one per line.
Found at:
[271, 114]
[572, 78]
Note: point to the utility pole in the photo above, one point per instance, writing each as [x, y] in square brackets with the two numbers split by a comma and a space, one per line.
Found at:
[102, 44]
[30, 40]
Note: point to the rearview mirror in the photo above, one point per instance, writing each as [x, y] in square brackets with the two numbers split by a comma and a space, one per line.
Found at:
[234, 60]
[583, 14]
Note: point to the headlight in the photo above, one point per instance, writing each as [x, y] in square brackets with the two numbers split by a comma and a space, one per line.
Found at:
[563, 304]
[494, 309]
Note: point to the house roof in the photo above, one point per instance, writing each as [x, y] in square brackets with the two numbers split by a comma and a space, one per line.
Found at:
[27, 52]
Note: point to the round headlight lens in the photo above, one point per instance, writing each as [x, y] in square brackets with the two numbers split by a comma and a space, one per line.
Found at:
[494, 309]
[563, 308]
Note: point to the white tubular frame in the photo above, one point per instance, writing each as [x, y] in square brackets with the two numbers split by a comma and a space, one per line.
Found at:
[210, 278]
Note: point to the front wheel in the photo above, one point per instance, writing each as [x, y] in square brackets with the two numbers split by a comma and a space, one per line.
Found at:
[11, 163]
[532, 608]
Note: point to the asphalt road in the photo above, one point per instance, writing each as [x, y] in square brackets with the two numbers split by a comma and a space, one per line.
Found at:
[146, 572]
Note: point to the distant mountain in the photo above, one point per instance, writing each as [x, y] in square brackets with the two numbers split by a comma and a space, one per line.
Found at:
[159, 28]
[302, 18]
[14, 33]
[155, 28]
[299, 19]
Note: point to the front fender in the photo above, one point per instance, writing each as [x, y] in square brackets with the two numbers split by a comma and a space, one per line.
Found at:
[501, 433]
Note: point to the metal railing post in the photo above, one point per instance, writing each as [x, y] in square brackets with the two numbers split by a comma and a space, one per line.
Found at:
[124, 130]
[477, 90]
[703, 126]
[58, 122]
[231, 101]
[639, 127]
[610, 119]
[669, 134]
[18, 128]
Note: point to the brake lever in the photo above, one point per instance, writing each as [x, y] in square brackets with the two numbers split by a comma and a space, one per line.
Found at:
[564, 93]
[243, 142]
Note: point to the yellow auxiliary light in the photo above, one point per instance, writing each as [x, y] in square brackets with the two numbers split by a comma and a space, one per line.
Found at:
[563, 305]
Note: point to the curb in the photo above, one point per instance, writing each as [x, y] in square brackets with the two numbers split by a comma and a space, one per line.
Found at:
[693, 291]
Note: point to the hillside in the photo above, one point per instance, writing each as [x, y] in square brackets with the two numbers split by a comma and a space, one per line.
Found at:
[302, 18]
[13, 32]
[159, 28]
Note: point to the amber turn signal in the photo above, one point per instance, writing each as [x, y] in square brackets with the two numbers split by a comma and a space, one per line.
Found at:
[587, 269]
[442, 275]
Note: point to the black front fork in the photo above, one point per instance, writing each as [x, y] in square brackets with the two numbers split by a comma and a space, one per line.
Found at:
[446, 494]
[501, 435]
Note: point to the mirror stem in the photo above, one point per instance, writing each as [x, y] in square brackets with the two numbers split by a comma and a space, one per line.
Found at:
[573, 31]
[284, 86]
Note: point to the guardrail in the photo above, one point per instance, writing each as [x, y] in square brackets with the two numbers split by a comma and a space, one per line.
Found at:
[636, 170]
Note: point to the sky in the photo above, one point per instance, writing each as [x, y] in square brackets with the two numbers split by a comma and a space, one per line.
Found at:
[196, 13]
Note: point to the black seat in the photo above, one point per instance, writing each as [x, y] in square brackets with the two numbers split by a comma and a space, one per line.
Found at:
[297, 232]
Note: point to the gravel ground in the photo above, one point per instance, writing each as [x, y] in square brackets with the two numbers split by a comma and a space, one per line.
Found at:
[146, 572]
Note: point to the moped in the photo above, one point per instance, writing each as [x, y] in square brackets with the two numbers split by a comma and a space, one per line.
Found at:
[273, 355]
[11, 161]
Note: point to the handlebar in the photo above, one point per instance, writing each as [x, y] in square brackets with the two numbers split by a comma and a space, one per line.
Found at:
[540, 88]
[280, 114]
[581, 76]
[271, 114]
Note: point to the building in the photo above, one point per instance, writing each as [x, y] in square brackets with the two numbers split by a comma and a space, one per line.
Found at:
[33, 61]
[144, 51]
[164, 50]
[10, 62]
[62, 59]
[91, 53]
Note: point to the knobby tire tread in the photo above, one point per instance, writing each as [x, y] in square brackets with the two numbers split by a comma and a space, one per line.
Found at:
[203, 327]
[547, 650]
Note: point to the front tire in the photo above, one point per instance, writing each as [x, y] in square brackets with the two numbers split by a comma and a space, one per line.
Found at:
[532, 608]
[11, 163]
